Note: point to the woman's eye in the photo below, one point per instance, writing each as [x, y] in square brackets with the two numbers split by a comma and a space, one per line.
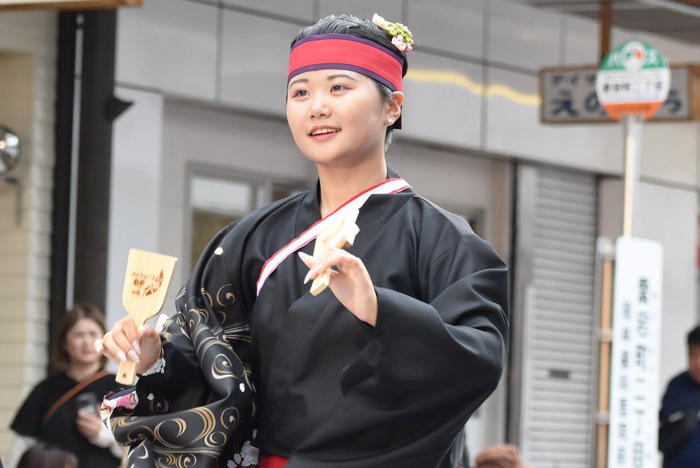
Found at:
[338, 87]
[300, 93]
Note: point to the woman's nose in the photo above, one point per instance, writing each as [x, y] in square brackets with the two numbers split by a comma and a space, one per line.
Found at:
[319, 107]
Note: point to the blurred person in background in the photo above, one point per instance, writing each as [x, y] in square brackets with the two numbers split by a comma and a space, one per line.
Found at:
[41, 456]
[500, 456]
[62, 410]
[680, 428]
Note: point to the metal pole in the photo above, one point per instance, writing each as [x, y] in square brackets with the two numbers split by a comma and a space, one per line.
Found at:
[633, 144]
[605, 352]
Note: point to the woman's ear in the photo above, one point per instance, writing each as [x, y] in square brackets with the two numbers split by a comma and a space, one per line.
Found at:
[394, 106]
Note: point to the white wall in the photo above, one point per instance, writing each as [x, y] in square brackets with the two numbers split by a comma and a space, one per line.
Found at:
[27, 93]
[135, 189]
[670, 217]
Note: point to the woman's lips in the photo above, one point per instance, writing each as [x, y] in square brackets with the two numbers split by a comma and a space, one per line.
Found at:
[325, 136]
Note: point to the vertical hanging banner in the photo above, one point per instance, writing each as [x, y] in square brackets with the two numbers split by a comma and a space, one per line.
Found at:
[634, 391]
[633, 79]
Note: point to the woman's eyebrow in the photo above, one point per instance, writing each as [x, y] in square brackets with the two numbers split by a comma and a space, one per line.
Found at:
[300, 80]
[340, 75]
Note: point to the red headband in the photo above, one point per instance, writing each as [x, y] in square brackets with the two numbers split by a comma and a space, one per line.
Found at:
[345, 52]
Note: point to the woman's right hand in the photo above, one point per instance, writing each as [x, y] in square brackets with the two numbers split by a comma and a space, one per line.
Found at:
[124, 341]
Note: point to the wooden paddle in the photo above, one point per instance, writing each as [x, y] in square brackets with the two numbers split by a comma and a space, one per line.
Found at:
[146, 284]
[340, 234]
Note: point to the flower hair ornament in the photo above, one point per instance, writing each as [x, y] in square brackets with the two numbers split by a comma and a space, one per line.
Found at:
[401, 36]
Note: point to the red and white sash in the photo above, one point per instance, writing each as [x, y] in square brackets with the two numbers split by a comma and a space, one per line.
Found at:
[355, 203]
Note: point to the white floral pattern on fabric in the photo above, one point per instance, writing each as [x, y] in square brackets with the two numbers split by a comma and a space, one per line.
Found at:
[157, 368]
[109, 404]
[248, 457]
[160, 324]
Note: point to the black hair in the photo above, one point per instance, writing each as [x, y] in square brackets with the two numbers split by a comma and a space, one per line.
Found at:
[365, 29]
[44, 456]
[694, 337]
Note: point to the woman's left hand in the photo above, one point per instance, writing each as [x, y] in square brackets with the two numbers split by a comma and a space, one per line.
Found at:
[89, 425]
[351, 284]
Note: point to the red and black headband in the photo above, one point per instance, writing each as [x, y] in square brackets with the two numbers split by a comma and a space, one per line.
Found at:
[346, 52]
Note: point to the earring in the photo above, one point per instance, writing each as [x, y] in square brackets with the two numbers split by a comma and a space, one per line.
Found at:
[388, 119]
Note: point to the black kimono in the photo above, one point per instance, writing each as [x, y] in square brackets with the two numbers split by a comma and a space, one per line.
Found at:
[322, 387]
[60, 429]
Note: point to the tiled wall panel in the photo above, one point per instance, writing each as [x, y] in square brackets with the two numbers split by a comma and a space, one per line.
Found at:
[670, 152]
[448, 25]
[522, 36]
[674, 51]
[443, 100]
[302, 10]
[169, 45]
[254, 68]
[581, 41]
[391, 10]
[514, 128]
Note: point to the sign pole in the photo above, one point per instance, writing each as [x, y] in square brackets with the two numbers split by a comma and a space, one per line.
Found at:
[631, 85]
[633, 145]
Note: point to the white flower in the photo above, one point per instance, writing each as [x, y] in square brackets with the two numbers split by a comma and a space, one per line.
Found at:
[248, 456]
[379, 21]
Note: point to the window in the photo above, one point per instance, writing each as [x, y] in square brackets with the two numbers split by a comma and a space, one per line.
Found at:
[217, 201]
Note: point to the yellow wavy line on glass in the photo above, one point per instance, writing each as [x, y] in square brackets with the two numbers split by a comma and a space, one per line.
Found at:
[432, 76]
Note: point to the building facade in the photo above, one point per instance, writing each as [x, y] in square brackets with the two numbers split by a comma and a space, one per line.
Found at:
[206, 141]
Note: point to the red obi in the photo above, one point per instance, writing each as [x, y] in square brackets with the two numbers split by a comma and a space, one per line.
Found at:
[270, 461]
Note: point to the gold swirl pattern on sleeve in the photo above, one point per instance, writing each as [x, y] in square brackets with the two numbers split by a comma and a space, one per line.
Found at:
[229, 417]
[223, 368]
[180, 425]
[133, 428]
[140, 451]
[224, 296]
[172, 460]
[159, 405]
[203, 420]
[206, 295]
[238, 332]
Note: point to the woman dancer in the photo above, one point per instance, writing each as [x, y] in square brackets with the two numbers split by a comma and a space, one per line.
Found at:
[385, 367]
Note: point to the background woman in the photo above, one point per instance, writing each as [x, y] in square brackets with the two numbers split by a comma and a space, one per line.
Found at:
[41, 456]
[62, 410]
[385, 367]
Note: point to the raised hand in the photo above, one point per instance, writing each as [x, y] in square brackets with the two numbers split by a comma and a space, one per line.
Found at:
[351, 283]
[125, 341]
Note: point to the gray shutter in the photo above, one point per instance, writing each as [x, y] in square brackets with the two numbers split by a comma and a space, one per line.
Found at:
[557, 224]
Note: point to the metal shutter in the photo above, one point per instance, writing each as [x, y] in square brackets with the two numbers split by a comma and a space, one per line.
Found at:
[555, 254]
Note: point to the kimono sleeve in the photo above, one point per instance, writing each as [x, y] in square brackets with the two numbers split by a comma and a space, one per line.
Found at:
[455, 343]
[196, 409]
[433, 361]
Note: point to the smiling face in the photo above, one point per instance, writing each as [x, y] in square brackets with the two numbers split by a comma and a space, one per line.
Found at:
[337, 117]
